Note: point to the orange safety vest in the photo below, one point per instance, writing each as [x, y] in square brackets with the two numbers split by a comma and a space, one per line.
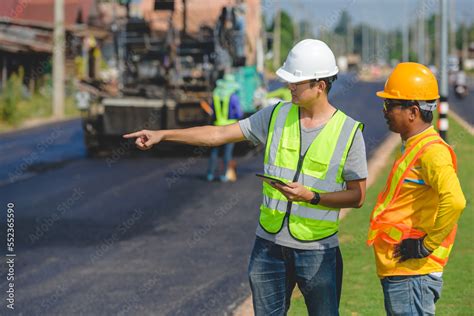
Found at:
[393, 233]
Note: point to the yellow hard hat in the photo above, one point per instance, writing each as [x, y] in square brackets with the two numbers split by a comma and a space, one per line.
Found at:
[410, 81]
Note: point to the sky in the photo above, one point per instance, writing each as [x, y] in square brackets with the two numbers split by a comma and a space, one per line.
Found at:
[383, 14]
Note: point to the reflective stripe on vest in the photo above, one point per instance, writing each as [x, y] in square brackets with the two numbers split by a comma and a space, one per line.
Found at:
[222, 110]
[394, 233]
[320, 169]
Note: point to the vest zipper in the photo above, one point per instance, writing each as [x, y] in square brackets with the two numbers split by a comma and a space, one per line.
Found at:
[295, 178]
[297, 174]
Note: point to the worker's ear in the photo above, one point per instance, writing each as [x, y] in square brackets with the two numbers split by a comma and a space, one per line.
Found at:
[414, 113]
[321, 84]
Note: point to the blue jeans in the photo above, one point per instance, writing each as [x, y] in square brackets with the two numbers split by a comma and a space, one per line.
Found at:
[228, 149]
[410, 295]
[274, 271]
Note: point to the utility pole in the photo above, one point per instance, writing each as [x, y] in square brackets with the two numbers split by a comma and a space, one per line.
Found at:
[297, 32]
[421, 32]
[444, 107]
[365, 43]
[58, 59]
[377, 47]
[350, 39]
[371, 44]
[4, 72]
[437, 48]
[452, 28]
[406, 24]
[185, 19]
[464, 43]
[277, 37]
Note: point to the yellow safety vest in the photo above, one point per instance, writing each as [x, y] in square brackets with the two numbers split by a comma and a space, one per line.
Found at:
[319, 169]
[222, 110]
[391, 231]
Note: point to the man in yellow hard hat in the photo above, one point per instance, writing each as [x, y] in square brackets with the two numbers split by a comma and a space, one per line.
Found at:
[413, 224]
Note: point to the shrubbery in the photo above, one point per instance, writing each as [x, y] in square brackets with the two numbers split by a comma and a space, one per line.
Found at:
[17, 103]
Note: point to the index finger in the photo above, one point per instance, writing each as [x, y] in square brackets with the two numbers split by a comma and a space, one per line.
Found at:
[135, 134]
[281, 186]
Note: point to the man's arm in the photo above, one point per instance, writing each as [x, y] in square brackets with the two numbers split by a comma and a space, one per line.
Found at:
[438, 172]
[353, 196]
[200, 136]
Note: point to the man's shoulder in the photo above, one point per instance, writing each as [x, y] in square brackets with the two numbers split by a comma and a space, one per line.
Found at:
[350, 117]
[437, 154]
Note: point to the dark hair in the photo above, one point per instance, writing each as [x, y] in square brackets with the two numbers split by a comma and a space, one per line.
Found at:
[328, 81]
[426, 116]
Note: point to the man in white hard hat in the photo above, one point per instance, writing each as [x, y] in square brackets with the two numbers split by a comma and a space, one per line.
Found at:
[318, 153]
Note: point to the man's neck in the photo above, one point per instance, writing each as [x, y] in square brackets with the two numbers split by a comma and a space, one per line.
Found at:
[419, 128]
[317, 114]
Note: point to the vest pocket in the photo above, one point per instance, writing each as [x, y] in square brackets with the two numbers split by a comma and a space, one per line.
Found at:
[288, 153]
[290, 144]
[271, 220]
[315, 167]
[306, 229]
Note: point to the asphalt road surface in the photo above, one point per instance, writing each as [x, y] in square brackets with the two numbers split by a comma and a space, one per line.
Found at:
[141, 235]
[463, 107]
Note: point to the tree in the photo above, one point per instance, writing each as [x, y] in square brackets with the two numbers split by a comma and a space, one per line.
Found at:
[287, 35]
[342, 25]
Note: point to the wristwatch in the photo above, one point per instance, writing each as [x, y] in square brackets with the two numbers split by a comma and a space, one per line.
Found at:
[316, 198]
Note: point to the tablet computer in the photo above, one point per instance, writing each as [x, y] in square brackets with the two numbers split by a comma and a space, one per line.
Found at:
[270, 180]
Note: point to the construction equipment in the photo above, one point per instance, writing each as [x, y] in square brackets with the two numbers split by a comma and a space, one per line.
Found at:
[166, 77]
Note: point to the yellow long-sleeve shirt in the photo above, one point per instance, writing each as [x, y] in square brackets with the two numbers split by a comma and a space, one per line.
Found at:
[430, 200]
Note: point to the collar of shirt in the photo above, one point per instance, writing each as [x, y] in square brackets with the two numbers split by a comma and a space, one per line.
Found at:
[410, 141]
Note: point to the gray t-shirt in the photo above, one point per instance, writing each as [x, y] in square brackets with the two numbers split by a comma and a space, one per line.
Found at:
[255, 129]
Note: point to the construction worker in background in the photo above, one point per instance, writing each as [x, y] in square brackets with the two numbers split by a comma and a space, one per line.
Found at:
[413, 224]
[319, 153]
[226, 110]
[281, 94]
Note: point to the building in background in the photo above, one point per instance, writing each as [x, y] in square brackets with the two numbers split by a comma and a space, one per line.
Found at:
[26, 38]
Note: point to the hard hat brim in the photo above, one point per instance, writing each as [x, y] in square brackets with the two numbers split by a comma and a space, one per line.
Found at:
[290, 78]
[384, 95]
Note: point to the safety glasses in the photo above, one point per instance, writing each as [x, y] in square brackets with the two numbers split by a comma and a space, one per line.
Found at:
[390, 104]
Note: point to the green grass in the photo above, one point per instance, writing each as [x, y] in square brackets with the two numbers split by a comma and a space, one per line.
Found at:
[362, 293]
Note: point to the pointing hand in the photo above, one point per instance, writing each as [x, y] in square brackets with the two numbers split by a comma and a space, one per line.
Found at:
[145, 139]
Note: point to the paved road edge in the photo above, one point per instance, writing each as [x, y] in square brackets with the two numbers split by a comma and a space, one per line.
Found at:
[461, 122]
[38, 122]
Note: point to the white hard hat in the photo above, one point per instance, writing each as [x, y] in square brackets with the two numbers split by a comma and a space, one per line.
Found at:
[309, 59]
